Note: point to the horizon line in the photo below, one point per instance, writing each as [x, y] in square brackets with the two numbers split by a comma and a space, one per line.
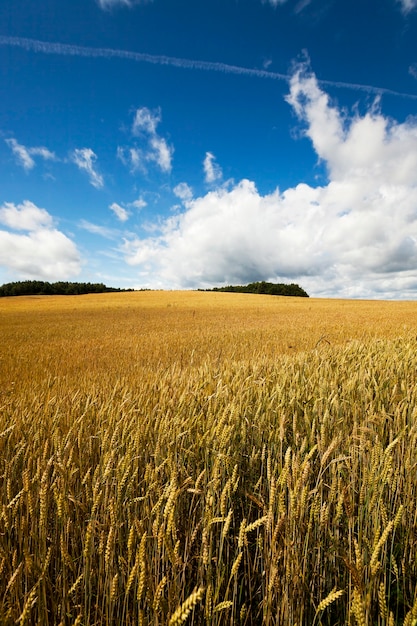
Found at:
[61, 49]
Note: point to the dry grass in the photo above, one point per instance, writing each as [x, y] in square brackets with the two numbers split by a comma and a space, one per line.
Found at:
[200, 458]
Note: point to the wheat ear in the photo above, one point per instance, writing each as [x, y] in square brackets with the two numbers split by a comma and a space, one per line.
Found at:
[183, 611]
[333, 595]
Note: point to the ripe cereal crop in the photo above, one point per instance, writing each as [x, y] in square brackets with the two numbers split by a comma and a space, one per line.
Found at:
[207, 458]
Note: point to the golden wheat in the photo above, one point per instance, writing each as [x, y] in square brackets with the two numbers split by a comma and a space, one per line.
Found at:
[183, 611]
[153, 445]
[327, 601]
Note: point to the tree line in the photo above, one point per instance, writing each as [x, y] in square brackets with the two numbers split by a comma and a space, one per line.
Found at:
[271, 289]
[61, 288]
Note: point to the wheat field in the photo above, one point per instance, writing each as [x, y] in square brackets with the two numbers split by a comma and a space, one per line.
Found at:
[196, 458]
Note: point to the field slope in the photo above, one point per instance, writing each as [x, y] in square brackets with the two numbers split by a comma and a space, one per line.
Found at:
[207, 458]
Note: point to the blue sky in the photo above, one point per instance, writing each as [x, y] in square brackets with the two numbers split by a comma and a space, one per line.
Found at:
[192, 144]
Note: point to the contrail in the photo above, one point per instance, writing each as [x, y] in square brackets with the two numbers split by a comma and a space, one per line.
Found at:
[34, 45]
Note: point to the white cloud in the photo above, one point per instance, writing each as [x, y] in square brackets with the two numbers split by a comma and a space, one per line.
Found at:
[133, 158]
[225, 236]
[25, 216]
[119, 212]
[413, 70]
[302, 5]
[357, 148]
[212, 170]
[43, 152]
[153, 149]
[110, 4]
[161, 153]
[84, 159]
[44, 252]
[137, 160]
[183, 192]
[355, 236]
[24, 155]
[123, 213]
[408, 5]
[95, 229]
[146, 121]
[121, 155]
[44, 47]
[138, 204]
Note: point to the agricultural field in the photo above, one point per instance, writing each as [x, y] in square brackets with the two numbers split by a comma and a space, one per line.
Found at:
[174, 458]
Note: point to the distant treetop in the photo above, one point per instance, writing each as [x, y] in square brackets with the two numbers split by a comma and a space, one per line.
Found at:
[42, 288]
[271, 289]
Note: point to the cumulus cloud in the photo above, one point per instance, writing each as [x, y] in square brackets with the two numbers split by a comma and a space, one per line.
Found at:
[153, 147]
[43, 251]
[226, 236]
[212, 170]
[354, 236]
[24, 155]
[355, 149]
[84, 159]
[25, 216]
